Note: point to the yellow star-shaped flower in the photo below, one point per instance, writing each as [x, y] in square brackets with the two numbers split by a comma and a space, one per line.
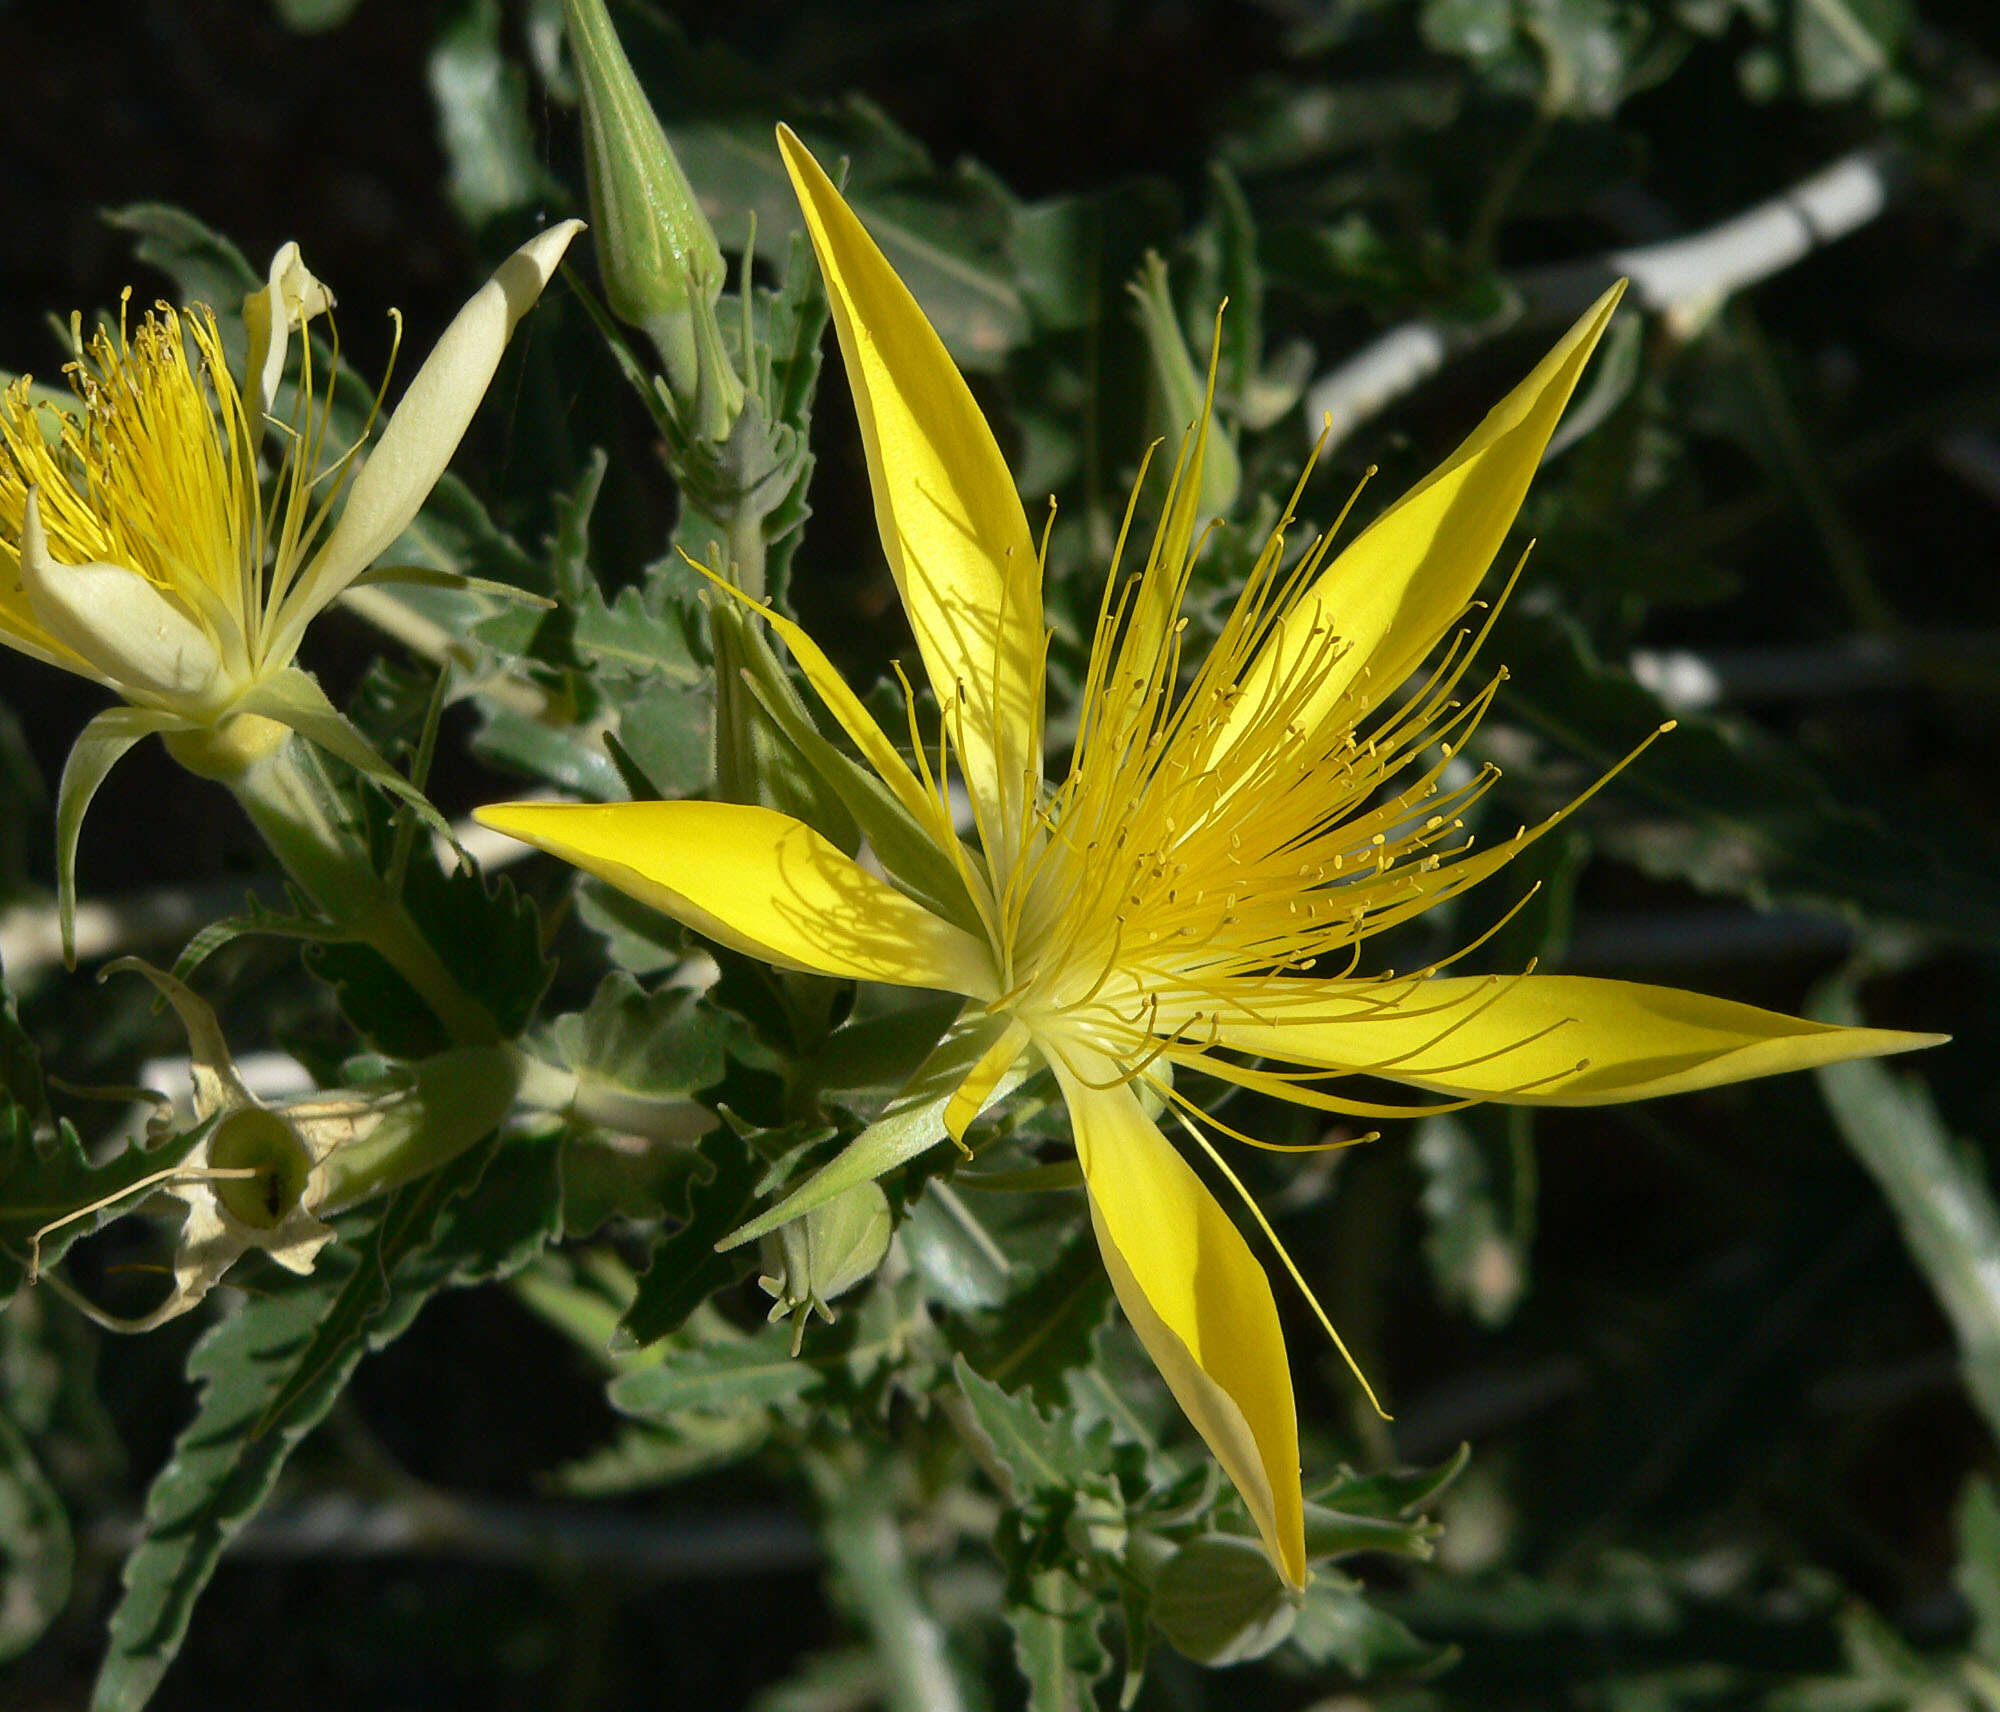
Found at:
[1198, 887]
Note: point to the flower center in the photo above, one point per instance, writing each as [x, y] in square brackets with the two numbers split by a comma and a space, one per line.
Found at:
[263, 1142]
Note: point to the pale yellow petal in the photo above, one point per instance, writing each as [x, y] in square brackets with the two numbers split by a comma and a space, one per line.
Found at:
[423, 431]
[1391, 595]
[976, 1092]
[1542, 1040]
[125, 628]
[759, 882]
[952, 525]
[289, 298]
[21, 630]
[1200, 1303]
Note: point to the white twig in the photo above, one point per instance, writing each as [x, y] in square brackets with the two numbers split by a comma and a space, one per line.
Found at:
[31, 937]
[1683, 280]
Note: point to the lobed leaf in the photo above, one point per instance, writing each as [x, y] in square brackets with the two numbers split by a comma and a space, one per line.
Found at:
[717, 1378]
[1056, 1643]
[685, 1269]
[270, 1373]
[1038, 1455]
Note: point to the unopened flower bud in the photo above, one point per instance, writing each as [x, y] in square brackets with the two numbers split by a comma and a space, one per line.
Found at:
[1182, 390]
[824, 1253]
[656, 251]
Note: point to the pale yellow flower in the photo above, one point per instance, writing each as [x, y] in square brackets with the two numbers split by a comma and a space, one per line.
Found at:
[1198, 887]
[164, 535]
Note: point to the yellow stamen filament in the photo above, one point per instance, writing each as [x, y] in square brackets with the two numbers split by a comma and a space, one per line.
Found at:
[1284, 1255]
[1222, 846]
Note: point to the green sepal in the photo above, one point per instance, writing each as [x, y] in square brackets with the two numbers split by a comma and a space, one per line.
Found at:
[99, 747]
[1395, 1494]
[1219, 1601]
[907, 850]
[294, 699]
[913, 1124]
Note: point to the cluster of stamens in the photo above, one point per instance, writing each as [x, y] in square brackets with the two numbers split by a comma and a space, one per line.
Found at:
[157, 470]
[1223, 853]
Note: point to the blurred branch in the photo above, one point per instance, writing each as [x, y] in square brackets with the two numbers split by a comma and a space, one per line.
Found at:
[1687, 680]
[1937, 1188]
[1683, 280]
[31, 938]
[434, 1524]
[876, 1578]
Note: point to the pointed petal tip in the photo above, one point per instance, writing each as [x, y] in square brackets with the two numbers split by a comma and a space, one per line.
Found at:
[503, 816]
[525, 274]
[423, 431]
[952, 525]
[792, 148]
[1567, 1040]
[532, 823]
[556, 238]
[1200, 1303]
[1888, 1040]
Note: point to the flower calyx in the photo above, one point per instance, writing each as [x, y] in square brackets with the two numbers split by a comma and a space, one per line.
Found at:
[825, 1253]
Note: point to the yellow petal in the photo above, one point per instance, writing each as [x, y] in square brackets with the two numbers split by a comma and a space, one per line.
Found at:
[1200, 1304]
[759, 882]
[952, 525]
[1544, 1040]
[1399, 586]
[976, 1092]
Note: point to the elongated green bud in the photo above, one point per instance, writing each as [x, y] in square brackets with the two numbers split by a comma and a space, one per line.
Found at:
[1184, 395]
[661, 265]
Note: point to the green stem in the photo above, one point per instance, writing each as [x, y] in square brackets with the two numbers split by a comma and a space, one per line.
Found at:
[741, 734]
[747, 551]
[311, 827]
